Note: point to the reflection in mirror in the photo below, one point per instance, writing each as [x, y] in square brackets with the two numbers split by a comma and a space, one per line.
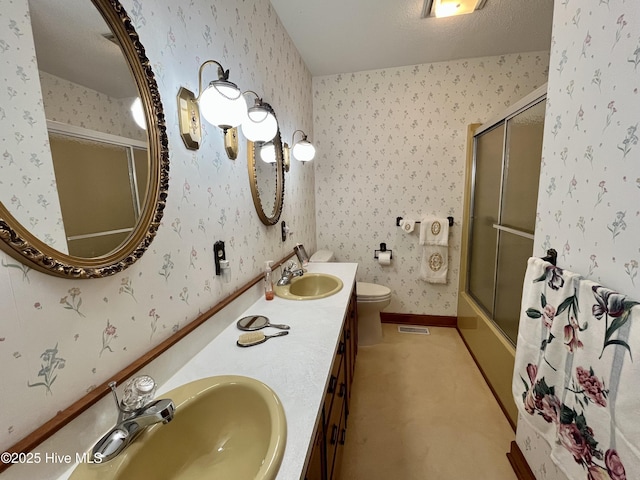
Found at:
[266, 180]
[86, 83]
[83, 192]
[266, 176]
[97, 219]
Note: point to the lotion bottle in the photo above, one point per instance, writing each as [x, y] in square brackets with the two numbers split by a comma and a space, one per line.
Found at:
[268, 281]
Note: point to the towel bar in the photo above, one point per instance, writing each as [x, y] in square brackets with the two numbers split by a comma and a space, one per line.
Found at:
[400, 218]
[552, 256]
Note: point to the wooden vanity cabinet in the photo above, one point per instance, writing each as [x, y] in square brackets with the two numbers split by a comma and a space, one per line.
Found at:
[316, 467]
[337, 412]
[351, 336]
[324, 463]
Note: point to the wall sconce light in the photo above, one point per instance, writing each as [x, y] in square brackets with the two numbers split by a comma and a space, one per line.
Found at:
[303, 150]
[138, 113]
[268, 152]
[221, 104]
[261, 124]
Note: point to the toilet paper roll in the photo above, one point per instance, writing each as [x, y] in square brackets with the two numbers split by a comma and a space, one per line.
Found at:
[384, 258]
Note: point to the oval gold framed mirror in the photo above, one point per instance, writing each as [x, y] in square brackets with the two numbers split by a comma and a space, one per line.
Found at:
[145, 160]
[265, 163]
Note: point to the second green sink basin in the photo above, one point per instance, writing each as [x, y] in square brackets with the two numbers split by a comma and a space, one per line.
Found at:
[310, 286]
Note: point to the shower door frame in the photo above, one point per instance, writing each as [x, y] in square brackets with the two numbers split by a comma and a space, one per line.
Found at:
[492, 352]
[534, 98]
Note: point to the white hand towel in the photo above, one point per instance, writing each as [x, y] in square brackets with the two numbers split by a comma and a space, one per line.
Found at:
[407, 225]
[434, 231]
[435, 264]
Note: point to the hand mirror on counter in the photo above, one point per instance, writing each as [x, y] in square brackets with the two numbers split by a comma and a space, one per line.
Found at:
[256, 322]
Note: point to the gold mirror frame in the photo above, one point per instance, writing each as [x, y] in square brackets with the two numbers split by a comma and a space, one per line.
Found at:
[267, 219]
[19, 243]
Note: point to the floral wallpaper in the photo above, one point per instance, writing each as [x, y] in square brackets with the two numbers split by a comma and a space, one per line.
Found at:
[392, 143]
[590, 177]
[60, 338]
[68, 102]
[27, 181]
[537, 452]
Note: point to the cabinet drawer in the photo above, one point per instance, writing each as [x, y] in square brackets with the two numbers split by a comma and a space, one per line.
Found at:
[353, 340]
[315, 469]
[335, 418]
[342, 435]
[336, 378]
[333, 435]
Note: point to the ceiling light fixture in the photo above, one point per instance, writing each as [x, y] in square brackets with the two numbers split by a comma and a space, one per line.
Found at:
[448, 8]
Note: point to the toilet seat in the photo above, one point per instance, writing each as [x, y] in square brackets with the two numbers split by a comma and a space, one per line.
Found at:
[371, 292]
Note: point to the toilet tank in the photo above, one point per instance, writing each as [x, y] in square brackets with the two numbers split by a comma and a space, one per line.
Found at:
[322, 256]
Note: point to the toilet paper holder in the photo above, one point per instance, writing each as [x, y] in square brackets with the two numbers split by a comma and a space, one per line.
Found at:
[383, 248]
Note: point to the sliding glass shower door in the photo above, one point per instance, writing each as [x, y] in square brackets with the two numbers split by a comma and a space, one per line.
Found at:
[489, 149]
[507, 157]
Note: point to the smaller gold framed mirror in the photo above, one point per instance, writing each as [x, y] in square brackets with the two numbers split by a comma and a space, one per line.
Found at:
[265, 163]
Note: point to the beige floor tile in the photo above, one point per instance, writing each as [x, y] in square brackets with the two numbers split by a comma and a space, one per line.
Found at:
[420, 409]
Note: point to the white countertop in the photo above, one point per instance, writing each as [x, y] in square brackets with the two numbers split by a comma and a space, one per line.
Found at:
[296, 366]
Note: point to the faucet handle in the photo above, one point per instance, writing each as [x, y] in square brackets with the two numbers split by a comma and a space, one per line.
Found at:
[138, 392]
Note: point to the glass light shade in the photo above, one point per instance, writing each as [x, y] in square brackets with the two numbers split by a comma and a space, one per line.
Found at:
[260, 125]
[222, 104]
[304, 151]
[268, 152]
[138, 113]
[448, 8]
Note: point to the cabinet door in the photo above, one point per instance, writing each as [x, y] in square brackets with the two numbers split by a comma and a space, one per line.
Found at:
[315, 469]
[340, 449]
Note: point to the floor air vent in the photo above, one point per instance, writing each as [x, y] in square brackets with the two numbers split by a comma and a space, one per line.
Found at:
[411, 329]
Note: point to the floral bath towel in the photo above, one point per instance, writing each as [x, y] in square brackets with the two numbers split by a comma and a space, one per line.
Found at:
[576, 379]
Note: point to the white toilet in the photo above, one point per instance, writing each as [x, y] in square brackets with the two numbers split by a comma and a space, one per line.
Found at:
[371, 298]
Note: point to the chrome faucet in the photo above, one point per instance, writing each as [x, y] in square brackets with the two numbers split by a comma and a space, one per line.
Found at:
[136, 411]
[290, 271]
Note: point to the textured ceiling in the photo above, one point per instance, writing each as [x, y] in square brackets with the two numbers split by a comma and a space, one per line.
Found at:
[69, 43]
[339, 36]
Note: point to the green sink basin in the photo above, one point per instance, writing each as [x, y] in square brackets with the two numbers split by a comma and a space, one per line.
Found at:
[229, 427]
[310, 286]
